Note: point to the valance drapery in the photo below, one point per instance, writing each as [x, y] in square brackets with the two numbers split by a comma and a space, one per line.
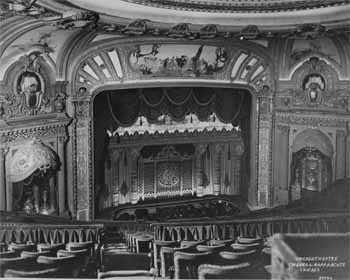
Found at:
[230, 105]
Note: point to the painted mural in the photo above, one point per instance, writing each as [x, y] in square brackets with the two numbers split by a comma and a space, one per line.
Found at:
[164, 60]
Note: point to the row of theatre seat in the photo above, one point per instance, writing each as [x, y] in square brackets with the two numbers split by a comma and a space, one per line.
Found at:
[69, 260]
[204, 259]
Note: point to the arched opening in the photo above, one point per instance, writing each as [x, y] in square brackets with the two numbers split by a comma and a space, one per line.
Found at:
[311, 167]
[146, 137]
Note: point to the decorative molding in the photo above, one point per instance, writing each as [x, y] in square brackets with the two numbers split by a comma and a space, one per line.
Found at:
[109, 63]
[204, 137]
[285, 129]
[234, 6]
[22, 131]
[314, 88]
[311, 121]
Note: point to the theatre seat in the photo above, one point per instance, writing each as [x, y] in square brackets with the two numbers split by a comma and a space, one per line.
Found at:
[46, 273]
[186, 264]
[14, 263]
[81, 255]
[167, 259]
[125, 261]
[157, 245]
[68, 266]
[238, 271]
[143, 243]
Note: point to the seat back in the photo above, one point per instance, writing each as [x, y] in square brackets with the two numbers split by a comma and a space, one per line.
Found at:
[53, 248]
[125, 261]
[239, 257]
[13, 263]
[143, 243]
[210, 271]
[3, 247]
[19, 247]
[212, 249]
[68, 266]
[90, 246]
[35, 255]
[82, 256]
[247, 240]
[186, 264]
[186, 243]
[46, 273]
[157, 245]
[227, 242]
[9, 254]
[167, 259]
[246, 247]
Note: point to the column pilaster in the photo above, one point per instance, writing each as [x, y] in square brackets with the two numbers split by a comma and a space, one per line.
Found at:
[2, 180]
[217, 168]
[134, 156]
[61, 176]
[200, 150]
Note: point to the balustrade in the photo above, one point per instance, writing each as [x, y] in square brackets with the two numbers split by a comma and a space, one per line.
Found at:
[49, 233]
[264, 226]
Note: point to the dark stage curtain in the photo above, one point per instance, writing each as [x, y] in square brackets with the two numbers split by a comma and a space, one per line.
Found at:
[230, 105]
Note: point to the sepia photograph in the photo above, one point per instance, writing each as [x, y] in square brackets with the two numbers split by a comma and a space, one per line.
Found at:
[175, 139]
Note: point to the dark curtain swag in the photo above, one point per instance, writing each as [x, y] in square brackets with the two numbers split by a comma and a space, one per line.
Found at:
[229, 105]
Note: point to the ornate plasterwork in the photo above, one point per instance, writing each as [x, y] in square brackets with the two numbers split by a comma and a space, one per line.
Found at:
[312, 121]
[95, 70]
[110, 64]
[314, 88]
[24, 131]
[28, 89]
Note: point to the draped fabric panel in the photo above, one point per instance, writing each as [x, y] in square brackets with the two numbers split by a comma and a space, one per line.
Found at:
[230, 105]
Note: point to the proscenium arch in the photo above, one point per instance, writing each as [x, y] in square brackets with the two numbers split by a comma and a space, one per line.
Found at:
[253, 115]
[83, 139]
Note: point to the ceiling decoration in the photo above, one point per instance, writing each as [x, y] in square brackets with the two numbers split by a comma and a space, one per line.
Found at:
[234, 6]
[264, 13]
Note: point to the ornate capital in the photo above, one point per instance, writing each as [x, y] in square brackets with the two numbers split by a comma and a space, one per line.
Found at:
[283, 128]
[239, 149]
[135, 152]
[82, 109]
[62, 139]
[201, 148]
[218, 147]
